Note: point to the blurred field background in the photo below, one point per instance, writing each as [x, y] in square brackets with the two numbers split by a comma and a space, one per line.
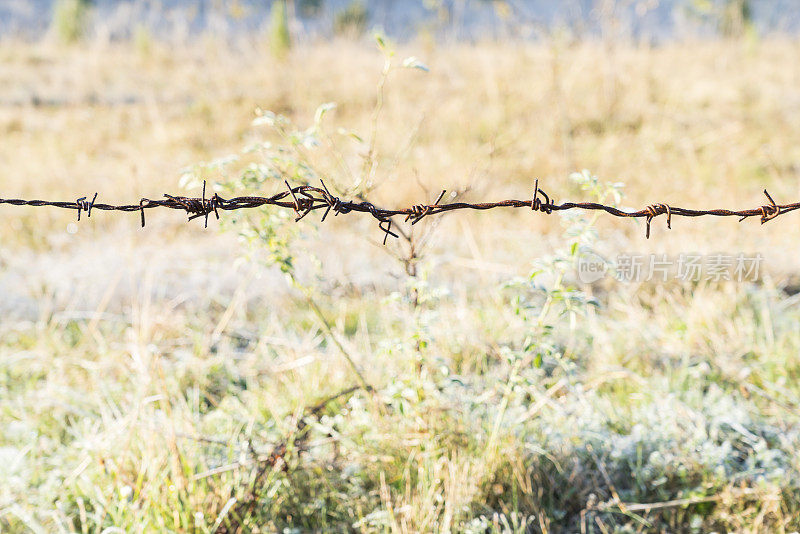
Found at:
[147, 375]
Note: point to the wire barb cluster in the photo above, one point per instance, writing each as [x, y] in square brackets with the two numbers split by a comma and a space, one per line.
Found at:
[305, 199]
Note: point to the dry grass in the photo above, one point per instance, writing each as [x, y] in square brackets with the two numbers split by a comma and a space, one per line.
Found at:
[121, 348]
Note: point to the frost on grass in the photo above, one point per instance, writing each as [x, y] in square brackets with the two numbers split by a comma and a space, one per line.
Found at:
[519, 401]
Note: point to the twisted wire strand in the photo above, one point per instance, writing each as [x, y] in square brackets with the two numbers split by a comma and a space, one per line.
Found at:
[305, 199]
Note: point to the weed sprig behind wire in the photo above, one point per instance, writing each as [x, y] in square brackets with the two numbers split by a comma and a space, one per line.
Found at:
[305, 199]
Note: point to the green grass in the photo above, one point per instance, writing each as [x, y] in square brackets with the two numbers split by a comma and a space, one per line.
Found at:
[107, 422]
[147, 375]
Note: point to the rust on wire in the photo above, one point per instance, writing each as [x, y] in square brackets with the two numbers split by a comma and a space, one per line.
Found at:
[305, 199]
[84, 205]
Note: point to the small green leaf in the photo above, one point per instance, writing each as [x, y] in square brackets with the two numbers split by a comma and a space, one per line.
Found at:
[414, 63]
[267, 119]
[321, 111]
[381, 42]
[350, 133]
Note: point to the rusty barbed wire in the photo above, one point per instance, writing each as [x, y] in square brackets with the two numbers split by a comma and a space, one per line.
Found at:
[305, 199]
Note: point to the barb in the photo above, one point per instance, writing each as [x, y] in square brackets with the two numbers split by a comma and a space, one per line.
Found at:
[84, 205]
[305, 199]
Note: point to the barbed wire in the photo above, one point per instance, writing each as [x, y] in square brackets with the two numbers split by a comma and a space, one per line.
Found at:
[305, 199]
